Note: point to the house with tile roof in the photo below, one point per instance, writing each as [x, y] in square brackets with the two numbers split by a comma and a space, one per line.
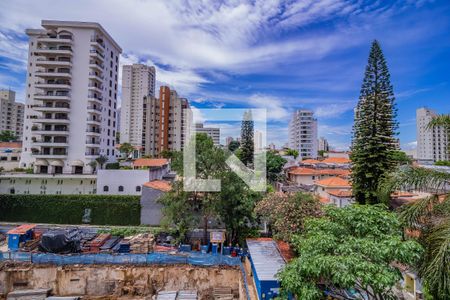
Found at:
[334, 190]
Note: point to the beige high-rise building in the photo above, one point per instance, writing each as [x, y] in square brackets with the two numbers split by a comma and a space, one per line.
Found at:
[71, 97]
[163, 122]
[212, 132]
[138, 81]
[432, 143]
[11, 113]
[303, 133]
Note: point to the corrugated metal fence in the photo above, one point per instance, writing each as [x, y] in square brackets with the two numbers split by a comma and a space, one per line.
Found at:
[155, 258]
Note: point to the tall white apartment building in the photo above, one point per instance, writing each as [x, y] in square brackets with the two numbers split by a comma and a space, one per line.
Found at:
[212, 132]
[323, 144]
[164, 123]
[303, 133]
[71, 97]
[138, 81]
[432, 143]
[258, 141]
[11, 113]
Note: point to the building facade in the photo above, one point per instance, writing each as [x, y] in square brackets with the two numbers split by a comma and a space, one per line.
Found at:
[303, 133]
[71, 97]
[138, 81]
[323, 145]
[212, 132]
[10, 155]
[11, 113]
[164, 123]
[432, 143]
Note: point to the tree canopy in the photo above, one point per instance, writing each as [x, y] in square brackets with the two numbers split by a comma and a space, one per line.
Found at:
[354, 247]
[7, 136]
[374, 130]
[274, 165]
[247, 142]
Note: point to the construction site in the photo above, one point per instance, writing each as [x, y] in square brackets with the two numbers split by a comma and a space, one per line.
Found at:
[41, 263]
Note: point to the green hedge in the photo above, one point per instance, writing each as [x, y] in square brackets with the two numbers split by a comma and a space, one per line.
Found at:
[69, 209]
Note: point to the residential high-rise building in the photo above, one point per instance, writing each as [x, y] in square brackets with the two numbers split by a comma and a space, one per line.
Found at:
[303, 133]
[258, 141]
[11, 113]
[163, 122]
[228, 140]
[71, 97]
[138, 81]
[212, 132]
[323, 144]
[432, 143]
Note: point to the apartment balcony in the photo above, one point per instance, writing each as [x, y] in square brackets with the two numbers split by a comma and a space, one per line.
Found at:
[94, 110]
[51, 120]
[62, 39]
[95, 88]
[95, 99]
[52, 85]
[97, 55]
[45, 62]
[43, 108]
[40, 143]
[53, 51]
[96, 76]
[92, 121]
[52, 96]
[50, 155]
[93, 132]
[96, 65]
[93, 144]
[92, 154]
[46, 74]
[97, 42]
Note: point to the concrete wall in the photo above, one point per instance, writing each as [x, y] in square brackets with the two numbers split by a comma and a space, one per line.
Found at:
[151, 213]
[130, 180]
[131, 281]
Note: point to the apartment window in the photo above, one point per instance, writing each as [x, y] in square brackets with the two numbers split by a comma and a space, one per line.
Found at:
[120, 188]
[112, 54]
[106, 188]
[138, 188]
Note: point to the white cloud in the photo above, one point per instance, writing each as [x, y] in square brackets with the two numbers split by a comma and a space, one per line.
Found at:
[332, 130]
[333, 110]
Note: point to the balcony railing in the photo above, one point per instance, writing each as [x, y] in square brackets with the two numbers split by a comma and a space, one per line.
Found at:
[93, 130]
[95, 74]
[95, 108]
[97, 52]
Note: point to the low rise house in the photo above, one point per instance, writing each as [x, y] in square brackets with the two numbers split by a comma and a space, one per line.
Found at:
[10, 155]
[151, 210]
[334, 190]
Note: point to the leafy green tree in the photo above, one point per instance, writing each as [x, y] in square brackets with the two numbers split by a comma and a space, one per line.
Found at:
[445, 163]
[292, 152]
[126, 148]
[321, 153]
[401, 158]
[286, 213]
[430, 218]
[102, 160]
[233, 146]
[7, 136]
[247, 143]
[354, 247]
[374, 129]
[93, 165]
[274, 165]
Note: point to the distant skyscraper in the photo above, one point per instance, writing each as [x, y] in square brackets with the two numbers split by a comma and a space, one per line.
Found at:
[71, 97]
[212, 132]
[11, 113]
[258, 140]
[163, 122]
[303, 133]
[323, 144]
[228, 140]
[138, 81]
[431, 143]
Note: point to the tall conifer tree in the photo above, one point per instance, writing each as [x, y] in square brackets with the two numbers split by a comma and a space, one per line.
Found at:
[374, 129]
[247, 143]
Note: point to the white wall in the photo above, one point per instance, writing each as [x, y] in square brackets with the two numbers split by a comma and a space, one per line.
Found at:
[129, 179]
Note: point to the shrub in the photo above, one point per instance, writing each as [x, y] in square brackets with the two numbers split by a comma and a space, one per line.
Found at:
[69, 209]
[112, 166]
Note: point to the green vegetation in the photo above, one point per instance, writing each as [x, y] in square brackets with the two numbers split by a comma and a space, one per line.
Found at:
[374, 129]
[349, 248]
[247, 143]
[445, 163]
[401, 158]
[127, 231]
[69, 209]
[112, 166]
[7, 136]
[233, 205]
[233, 146]
[274, 165]
[101, 160]
[292, 152]
[126, 148]
[430, 217]
[286, 213]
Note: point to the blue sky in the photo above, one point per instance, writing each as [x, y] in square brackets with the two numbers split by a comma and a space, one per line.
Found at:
[279, 55]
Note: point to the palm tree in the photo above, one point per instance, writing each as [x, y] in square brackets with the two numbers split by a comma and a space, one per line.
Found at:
[442, 120]
[430, 218]
[93, 165]
[101, 160]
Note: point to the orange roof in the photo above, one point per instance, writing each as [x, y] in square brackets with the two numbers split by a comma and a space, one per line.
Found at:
[341, 193]
[337, 172]
[285, 250]
[10, 144]
[22, 229]
[160, 185]
[324, 200]
[303, 171]
[150, 162]
[309, 161]
[336, 160]
[333, 182]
